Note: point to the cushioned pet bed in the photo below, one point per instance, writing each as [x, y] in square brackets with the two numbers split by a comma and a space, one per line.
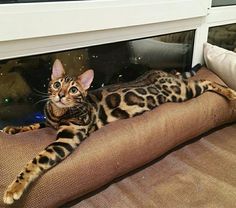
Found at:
[200, 174]
[191, 176]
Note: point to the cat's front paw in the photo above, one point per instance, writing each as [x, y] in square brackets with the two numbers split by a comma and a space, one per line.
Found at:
[11, 130]
[13, 192]
[232, 94]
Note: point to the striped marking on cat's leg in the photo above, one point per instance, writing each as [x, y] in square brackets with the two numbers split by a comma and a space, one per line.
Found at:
[227, 92]
[196, 88]
[18, 129]
[67, 140]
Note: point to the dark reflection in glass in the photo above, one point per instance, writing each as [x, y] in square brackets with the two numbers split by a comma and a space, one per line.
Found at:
[24, 81]
[223, 2]
[223, 36]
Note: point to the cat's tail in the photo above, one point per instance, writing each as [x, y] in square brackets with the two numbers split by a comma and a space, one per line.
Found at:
[187, 74]
[198, 87]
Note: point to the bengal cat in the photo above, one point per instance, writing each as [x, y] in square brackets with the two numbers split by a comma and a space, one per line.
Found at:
[76, 113]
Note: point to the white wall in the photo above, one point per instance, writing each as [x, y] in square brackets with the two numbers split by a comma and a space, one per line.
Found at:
[37, 28]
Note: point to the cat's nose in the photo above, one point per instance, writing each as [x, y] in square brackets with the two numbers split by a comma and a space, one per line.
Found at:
[61, 95]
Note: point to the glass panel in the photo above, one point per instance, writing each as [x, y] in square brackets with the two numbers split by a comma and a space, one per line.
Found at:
[223, 2]
[223, 36]
[24, 81]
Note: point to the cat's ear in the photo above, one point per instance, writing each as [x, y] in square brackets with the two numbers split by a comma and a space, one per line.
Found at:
[57, 70]
[86, 79]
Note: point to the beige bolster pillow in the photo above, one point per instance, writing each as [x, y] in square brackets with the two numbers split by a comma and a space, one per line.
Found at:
[113, 150]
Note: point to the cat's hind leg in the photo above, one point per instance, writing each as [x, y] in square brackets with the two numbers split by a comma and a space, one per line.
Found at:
[227, 92]
[196, 88]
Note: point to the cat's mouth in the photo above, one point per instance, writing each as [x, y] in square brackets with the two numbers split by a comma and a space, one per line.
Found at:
[61, 104]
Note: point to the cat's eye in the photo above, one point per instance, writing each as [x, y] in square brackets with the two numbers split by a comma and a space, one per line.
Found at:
[56, 85]
[73, 90]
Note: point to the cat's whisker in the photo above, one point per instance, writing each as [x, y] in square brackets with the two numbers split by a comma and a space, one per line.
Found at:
[80, 108]
[37, 92]
[82, 112]
[42, 96]
[42, 100]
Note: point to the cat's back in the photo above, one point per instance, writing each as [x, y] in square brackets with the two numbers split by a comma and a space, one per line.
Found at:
[147, 79]
[126, 100]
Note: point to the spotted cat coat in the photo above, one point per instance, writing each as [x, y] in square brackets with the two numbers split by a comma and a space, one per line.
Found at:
[76, 113]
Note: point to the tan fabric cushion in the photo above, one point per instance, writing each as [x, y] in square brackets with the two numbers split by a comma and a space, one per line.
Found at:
[222, 62]
[200, 174]
[113, 150]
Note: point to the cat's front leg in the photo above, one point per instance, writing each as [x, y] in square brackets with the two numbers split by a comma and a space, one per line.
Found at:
[68, 138]
[18, 129]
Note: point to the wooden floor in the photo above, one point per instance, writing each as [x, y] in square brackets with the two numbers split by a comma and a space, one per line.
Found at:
[199, 174]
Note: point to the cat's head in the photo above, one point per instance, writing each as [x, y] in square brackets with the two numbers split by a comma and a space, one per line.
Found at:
[65, 91]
